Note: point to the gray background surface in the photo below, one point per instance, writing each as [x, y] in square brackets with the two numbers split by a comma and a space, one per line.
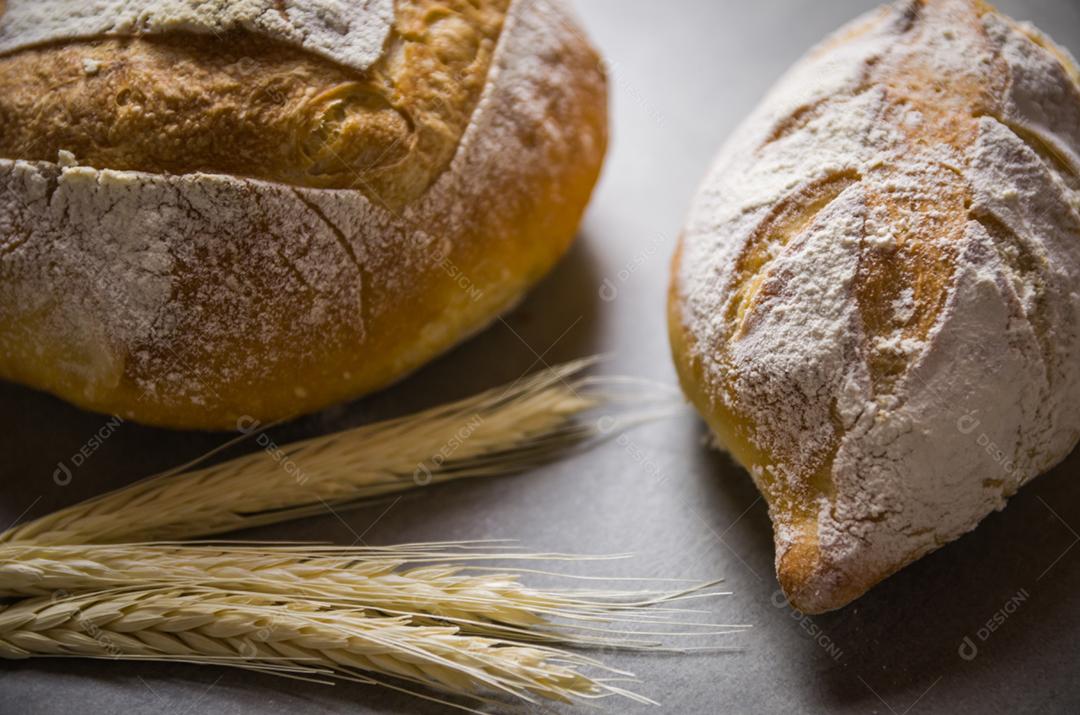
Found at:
[683, 74]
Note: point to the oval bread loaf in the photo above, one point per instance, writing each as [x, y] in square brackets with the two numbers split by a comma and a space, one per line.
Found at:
[260, 208]
[875, 303]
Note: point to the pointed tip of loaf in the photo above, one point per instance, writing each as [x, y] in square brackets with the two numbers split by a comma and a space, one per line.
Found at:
[812, 582]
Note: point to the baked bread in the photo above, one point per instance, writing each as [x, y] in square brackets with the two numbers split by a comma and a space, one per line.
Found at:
[259, 208]
[876, 300]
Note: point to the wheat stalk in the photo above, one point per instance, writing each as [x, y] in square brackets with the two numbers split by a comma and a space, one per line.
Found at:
[363, 614]
[479, 601]
[294, 636]
[500, 431]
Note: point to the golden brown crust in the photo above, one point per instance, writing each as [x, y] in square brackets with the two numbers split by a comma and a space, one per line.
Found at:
[245, 105]
[277, 299]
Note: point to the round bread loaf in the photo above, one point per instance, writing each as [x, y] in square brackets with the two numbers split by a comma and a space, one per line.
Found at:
[876, 300]
[255, 209]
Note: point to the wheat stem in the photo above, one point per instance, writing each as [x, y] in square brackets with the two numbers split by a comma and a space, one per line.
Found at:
[291, 634]
[419, 614]
[500, 431]
[478, 601]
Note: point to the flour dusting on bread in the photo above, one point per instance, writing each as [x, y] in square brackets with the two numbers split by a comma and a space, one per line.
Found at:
[190, 299]
[351, 33]
[879, 284]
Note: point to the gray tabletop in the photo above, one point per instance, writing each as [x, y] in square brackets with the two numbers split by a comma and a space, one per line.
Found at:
[684, 73]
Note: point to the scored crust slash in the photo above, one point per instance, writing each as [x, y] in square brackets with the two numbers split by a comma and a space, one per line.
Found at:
[198, 229]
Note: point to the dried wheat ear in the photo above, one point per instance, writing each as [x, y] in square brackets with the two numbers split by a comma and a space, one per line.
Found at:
[449, 617]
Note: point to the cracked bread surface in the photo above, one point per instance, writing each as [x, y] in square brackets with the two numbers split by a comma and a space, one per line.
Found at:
[889, 245]
[241, 104]
[197, 226]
